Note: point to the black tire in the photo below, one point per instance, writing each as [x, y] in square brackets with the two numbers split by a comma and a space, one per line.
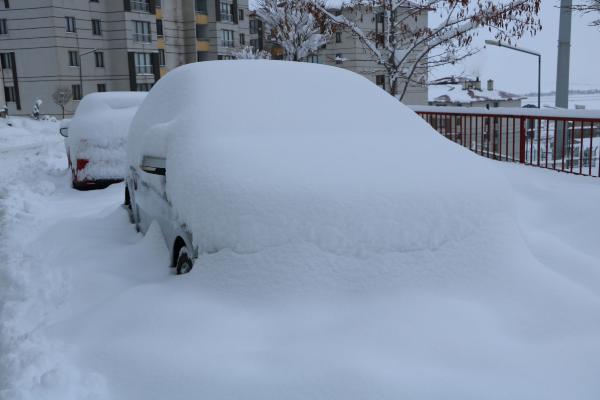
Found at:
[127, 201]
[184, 263]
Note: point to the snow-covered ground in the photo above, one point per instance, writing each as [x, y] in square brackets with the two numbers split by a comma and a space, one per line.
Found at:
[89, 309]
[589, 101]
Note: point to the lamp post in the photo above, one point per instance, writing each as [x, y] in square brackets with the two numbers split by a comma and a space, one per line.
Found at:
[81, 66]
[534, 53]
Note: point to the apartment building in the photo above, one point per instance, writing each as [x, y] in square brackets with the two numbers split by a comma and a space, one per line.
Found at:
[345, 50]
[200, 30]
[108, 45]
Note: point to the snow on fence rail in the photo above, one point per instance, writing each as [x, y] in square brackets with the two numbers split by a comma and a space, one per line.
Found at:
[562, 140]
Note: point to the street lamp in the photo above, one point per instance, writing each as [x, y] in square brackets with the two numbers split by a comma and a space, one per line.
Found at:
[81, 66]
[535, 53]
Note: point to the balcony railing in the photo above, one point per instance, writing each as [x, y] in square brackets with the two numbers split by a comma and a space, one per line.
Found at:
[561, 140]
[227, 43]
[140, 6]
[142, 37]
[143, 69]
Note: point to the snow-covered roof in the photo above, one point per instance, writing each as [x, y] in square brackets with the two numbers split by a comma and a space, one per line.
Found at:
[455, 94]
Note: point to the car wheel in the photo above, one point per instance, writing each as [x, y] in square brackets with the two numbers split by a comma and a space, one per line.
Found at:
[184, 262]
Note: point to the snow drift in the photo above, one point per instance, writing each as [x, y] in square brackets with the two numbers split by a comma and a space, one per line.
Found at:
[98, 133]
[335, 162]
[88, 309]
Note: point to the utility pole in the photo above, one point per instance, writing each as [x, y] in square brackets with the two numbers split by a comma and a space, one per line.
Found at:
[564, 54]
[562, 70]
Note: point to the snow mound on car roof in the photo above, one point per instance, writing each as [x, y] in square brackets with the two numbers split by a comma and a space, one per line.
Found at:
[265, 153]
[98, 132]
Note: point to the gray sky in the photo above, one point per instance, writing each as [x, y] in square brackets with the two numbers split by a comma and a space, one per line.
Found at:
[517, 72]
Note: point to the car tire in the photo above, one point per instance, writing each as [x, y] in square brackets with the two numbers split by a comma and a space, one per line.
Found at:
[184, 263]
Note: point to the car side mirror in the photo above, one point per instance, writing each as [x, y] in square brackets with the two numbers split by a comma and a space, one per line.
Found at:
[153, 165]
[64, 132]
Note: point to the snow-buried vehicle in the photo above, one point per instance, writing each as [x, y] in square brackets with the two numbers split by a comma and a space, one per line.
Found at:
[95, 138]
[248, 155]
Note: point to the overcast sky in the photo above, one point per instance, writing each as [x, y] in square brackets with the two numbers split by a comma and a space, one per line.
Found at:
[517, 72]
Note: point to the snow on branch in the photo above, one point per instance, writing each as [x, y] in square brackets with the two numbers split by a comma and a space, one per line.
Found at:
[403, 43]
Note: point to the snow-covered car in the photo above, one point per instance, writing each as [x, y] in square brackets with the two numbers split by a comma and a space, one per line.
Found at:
[96, 135]
[247, 155]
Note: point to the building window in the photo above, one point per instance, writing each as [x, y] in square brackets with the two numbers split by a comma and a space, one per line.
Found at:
[224, 57]
[5, 61]
[76, 90]
[3, 28]
[142, 32]
[313, 58]
[162, 58]
[140, 5]
[6, 4]
[338, 37]
[157, 3]
[380, 81]
[339, 58]
[70, 24]
[254, 44]
[99, 59]
[242, 39]
[101, 87]
[73, 58]
[144, 87]
[9, 94]
[253, 26]
[93, 1]
[226, 14]
[143, 65]
[227, 38]
[96, 27]
[201, 32]
[201, 7]
[159, 27]
[240, 14]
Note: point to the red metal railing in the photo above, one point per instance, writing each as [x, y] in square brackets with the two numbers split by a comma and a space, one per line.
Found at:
[561, 140]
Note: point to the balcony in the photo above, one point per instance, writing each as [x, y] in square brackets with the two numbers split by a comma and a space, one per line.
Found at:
[227, 43]
[142, 37]
[143, 69]
[140, 6]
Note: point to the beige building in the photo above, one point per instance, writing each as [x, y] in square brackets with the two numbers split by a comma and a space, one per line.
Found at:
[345, 50]
[107, 45]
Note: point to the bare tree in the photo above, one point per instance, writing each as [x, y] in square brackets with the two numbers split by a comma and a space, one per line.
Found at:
[249, 53]
[295, 26]
[61, 96]
[590, 6]
[406, 50]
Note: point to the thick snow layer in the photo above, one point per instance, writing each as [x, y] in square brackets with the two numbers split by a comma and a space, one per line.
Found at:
[90, 311]
[335, 165]
[19, 132]
[98, 133]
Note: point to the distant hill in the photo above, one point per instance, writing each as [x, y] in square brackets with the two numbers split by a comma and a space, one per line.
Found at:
[552, 93]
